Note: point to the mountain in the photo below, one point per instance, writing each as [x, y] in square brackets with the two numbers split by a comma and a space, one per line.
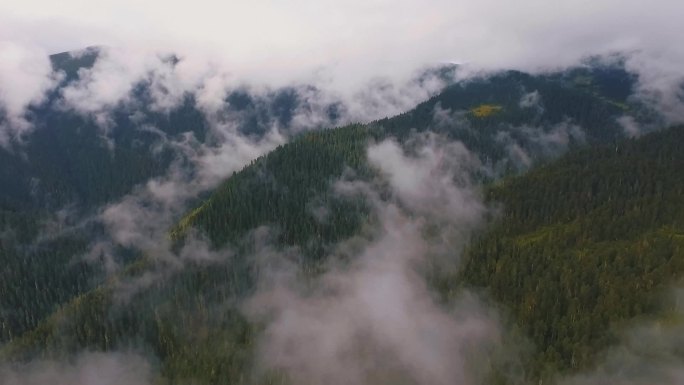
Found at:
[584, 242]
[63, 172]
[71, 157]
[508, 135]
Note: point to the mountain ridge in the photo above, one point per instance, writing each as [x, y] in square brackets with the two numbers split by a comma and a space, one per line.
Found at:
[188, 317]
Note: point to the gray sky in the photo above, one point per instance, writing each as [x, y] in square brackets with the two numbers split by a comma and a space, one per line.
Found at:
[335, 45]
[358, 37]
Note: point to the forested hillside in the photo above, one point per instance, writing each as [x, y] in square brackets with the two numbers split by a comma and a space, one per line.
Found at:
[582, 244]
[539, 130]
[585, 244]
[55, 178]
[88, 158]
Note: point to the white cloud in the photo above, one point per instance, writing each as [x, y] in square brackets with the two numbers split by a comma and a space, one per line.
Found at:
[111, 80]
[87, 369]
[661, 82]
[337, 46]
[374, 320]
[629, 126]
[531, 100]
[269, 41]
[25, 76]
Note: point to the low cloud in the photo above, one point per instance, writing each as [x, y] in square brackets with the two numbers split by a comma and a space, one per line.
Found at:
[375, 320]
[25, 76]
[526, 144]
[341, 47]
[649, 353]
[112, 80]
[141, 220]
[355, 41]
[118, 73]
[86, 369]
[630, 126]
[532, 100]
[661, 82]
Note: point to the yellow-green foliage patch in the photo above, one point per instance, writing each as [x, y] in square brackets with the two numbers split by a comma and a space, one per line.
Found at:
[583, 80]
[614, 103]
[484, 110]
[178, 231]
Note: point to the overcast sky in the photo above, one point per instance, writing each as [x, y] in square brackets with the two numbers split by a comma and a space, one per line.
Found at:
[337, 46]
[354, 37]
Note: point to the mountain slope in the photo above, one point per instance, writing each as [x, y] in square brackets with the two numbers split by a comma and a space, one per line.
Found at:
[570, 116]
[285, 190]
[73, 163]
[585, 244]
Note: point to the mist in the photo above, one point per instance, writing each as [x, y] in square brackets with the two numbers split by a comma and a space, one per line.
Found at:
[346, 45]
[337, 48]
[86, 369]
[649, 351]
[374, 319]
[25, 77]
